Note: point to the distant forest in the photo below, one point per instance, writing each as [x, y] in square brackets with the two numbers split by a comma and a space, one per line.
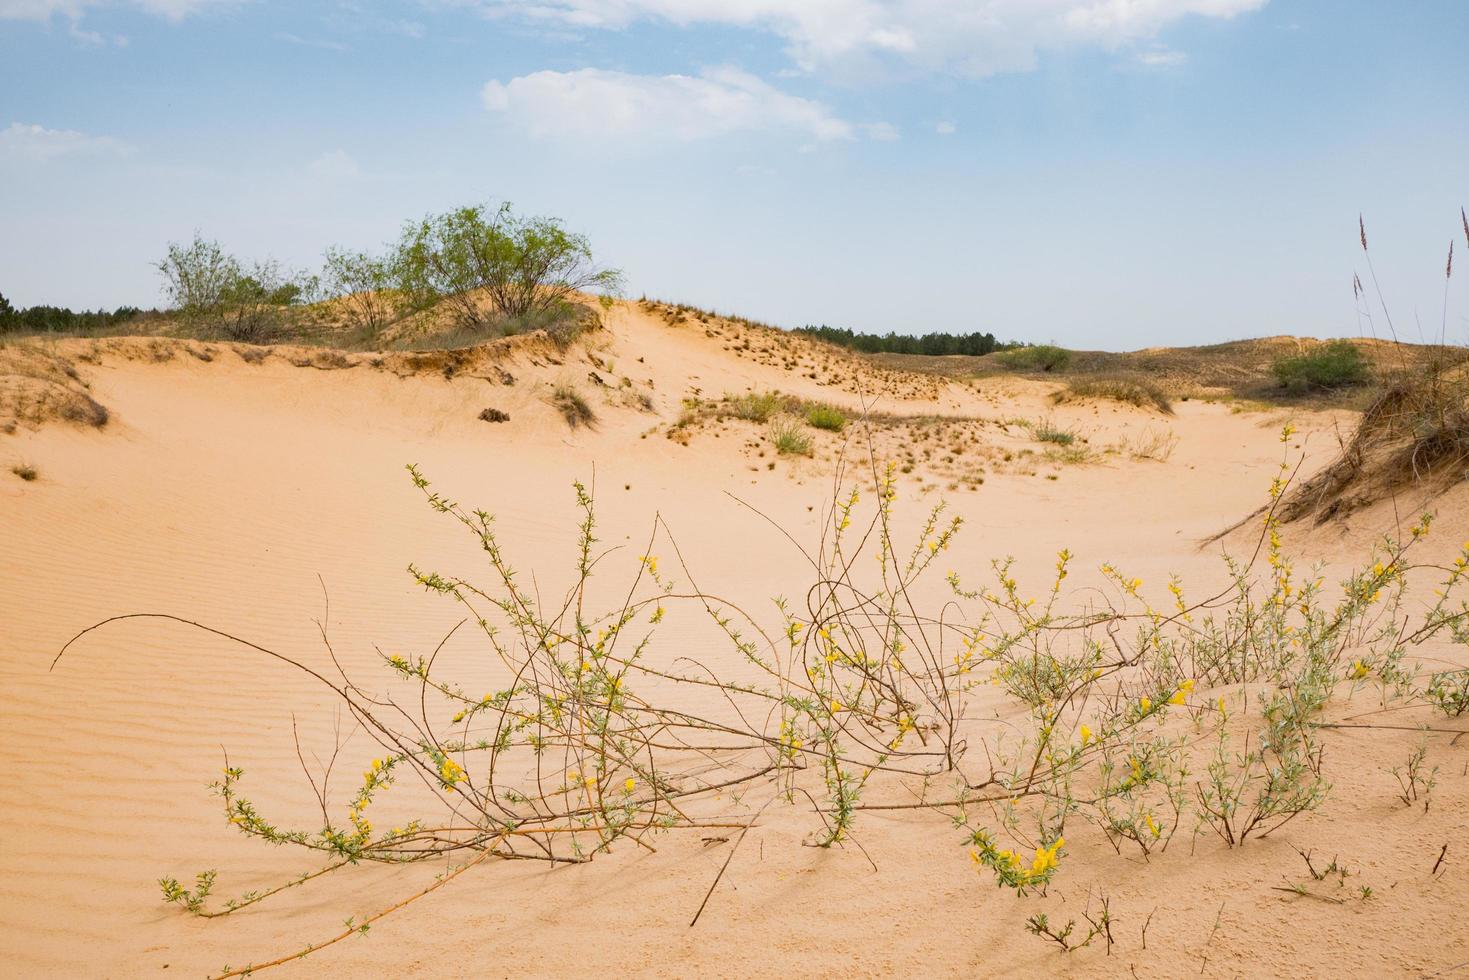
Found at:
[974, 344]
[58, 319]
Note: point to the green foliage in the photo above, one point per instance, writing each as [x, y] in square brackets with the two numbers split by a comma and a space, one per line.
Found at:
[191, 899]
[524, 266]
[756, 407]
[827, 417]
[788, 438]
[973, 344]
[1337, 364]
[59, 319]
[1047, 432]
[366, 287]
[1037, 357]
[218, 295]
[1448, 691]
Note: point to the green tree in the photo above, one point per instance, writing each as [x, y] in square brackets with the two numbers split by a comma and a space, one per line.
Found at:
[365, 286]
[216, 292]
[524, 266]
[197, 276]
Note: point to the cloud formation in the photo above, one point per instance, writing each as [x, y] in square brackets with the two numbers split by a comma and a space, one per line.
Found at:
[972, 39]
[37, 144]
[684, 108]
[43, 10]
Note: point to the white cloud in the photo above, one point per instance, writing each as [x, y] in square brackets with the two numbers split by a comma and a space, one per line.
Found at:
[1162, 58]
[880, 131]
[43, 10]
[33, 143]
[307, 42]
[945, 128]
[975, 38]
[334, 165]
[614, 105]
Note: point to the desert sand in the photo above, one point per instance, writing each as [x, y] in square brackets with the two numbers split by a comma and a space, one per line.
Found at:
[261, 497]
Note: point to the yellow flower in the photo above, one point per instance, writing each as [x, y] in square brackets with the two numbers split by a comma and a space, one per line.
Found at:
[837, 706]
[1152, 827]
[1086, 735]
[630, 785]
[1146, 704]
[1358, 671]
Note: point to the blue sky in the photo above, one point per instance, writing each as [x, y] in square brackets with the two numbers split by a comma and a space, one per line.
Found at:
[1100, 173]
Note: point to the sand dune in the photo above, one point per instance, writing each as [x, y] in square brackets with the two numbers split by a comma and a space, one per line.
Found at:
[248, 495]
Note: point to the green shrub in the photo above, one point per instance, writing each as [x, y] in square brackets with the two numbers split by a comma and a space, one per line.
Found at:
[1037, 357]
[1337, 364]
[1046, 432]
[827, 417]
[788, 438]
[522, 265]
[755, 407]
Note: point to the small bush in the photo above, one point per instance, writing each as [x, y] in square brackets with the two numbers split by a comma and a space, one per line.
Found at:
[573, 407]
[788, 438]
[1338, 364]
[1037, 357]
[25, 471]
[1047, 432]
[827, 417]
[756, 407]
[1131, 391]
[494, 415]
[83, 409]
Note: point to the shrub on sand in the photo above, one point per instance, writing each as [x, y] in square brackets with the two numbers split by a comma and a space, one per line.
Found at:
[573, 407]
[1037, 357]
[1131, 391]
[788, 438]
[755, 406]
[1337, 364]
[827, 417]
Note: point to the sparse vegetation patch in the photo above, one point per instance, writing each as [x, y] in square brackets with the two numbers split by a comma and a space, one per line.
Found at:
[1132, 391]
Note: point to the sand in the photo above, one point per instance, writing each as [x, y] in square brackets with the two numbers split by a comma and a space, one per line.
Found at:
[243, 495]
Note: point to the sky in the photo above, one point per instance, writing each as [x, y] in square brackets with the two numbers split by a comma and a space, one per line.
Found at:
[1104, 174]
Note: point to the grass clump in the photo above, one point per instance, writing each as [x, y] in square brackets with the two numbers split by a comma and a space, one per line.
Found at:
[788, 438]
[1037, 357]
[827, 417]
[573, 407]
[756, 406]
[25, 471]
[1048, 432]
[1131, 391]
[1336, 364]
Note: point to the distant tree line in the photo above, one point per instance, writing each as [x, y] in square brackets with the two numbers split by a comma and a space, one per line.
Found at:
[59, 319]
[973, 344]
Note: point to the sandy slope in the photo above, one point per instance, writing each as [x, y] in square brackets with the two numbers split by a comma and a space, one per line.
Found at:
[231, 493]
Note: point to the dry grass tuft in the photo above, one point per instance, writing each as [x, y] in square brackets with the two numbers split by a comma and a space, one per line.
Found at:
[1131, 391]
[573, 407]
[1415, 433]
